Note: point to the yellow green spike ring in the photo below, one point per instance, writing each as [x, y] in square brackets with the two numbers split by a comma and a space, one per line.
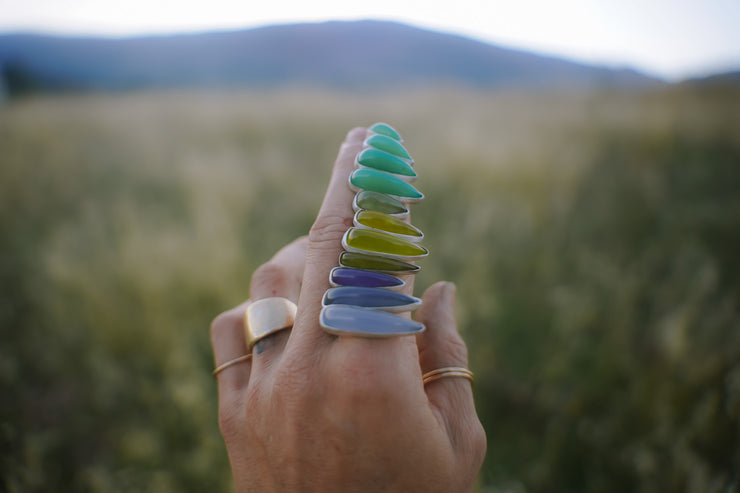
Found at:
[380, 221]
[374, 242]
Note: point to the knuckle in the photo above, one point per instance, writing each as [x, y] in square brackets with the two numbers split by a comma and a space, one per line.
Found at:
[479, 438]
[329, 229]
[270, 277]
[258, 409]
[223, 322]
[230, 421]
[301, 385]
[253, 400]
[447, 350]
[291, 380]
[478, 442]
[456, 348]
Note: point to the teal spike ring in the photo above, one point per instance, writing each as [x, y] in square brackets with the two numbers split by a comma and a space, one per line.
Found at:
[380, 181]
[385, 129]
[389, 145]
[385, 161]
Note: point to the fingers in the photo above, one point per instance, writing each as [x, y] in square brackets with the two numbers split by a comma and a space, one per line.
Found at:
[441, 346]
[324, 245]
[227, 338]
[281, 276]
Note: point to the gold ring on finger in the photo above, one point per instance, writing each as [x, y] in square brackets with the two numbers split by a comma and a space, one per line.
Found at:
[268, 316]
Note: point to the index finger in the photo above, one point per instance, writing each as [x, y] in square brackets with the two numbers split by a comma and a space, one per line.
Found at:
[324, 240]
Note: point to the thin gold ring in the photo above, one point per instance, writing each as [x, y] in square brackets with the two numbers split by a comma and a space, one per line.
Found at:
[449, 371]
[222, 367]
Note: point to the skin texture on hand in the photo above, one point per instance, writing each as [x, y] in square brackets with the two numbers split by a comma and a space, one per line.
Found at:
[313, 412]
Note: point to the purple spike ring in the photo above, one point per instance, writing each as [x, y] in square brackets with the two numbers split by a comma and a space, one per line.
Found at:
[348, 276]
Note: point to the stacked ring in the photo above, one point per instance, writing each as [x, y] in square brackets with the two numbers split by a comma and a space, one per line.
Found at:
[263, 318]
[379, 246]
[450, 371]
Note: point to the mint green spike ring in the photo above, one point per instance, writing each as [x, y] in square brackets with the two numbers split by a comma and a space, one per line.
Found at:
[385, 161]
[385, 129]
[387, 183]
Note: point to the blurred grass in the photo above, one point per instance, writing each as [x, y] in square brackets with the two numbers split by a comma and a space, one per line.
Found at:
[594, 239]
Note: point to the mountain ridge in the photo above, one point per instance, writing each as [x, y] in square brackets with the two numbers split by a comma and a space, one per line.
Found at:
[364, 54]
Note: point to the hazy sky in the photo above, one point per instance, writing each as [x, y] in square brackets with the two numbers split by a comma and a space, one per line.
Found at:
[670, 38]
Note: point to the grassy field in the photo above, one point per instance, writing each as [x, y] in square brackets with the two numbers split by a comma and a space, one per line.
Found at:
[594, 239]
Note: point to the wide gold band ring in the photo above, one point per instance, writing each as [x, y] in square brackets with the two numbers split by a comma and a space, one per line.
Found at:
[267, 316]
[450, 371]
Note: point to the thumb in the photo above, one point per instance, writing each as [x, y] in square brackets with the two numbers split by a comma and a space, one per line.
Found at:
[440, 345]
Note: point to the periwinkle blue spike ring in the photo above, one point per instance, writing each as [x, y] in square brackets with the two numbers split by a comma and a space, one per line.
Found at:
[377, 299]
[364, 322]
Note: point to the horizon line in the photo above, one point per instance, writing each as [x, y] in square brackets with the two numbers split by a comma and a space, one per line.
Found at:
[184, 32]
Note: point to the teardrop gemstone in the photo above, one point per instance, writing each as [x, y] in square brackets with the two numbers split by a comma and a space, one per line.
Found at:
[389, 145]
[346, 276]
[380, 181]
[364, 322]
[379, 243]
[387, 130]
[376, 201]
[376, 263]
[384, 161]
[377, 299]
[389, 224]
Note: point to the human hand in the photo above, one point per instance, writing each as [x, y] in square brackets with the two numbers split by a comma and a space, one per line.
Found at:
[313, 412]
